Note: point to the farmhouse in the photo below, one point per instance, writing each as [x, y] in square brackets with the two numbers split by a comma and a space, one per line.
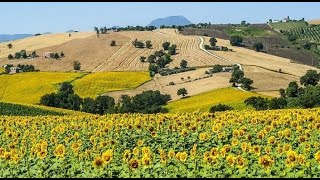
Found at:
[48, 55]
[14, 70]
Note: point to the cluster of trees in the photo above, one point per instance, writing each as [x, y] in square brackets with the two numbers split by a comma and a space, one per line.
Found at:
[236, 40]
[293, 96]
[171, 49]
[23, 54]
[24, 68]
[146, 102]
[57, 56]
[220, 107]
[258, 46]
[175, 70]
[140, 44]
[102, 30]
[237, 76]
[136, 28]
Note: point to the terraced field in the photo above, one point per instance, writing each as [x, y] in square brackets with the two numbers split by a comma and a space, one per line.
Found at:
[288, 25]
[310, 33]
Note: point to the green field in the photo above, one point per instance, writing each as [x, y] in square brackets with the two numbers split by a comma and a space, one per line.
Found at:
[203, 102]
[288, 25]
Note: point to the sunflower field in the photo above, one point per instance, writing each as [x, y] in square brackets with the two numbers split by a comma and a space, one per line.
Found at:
[278, 143]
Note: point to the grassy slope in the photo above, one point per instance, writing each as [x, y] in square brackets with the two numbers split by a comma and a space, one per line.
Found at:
[204, 101]
[29, 87]
[247, 31]
[20, 109]
[288, 25]
[94, 84]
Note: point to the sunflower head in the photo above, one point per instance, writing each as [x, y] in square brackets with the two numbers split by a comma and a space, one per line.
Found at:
[171, 154]
[146, 160]
[266, 161]
[317, 156]
[107, 156]
[59, 151]
[140, 143]
[98, 162]
[134, 164]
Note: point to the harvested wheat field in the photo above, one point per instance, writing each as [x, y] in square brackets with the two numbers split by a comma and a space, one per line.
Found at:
[38, 42]
[316, 21]
[199, 83]
[251, 57]
[265, 80]
[89, 51]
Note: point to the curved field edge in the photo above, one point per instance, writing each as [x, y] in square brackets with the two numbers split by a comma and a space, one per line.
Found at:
[94, 84]
[204, 101]
[20, 109]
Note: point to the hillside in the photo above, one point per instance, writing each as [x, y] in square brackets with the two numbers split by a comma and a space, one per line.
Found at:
[316, 21]
[204, 101]
[170, 20]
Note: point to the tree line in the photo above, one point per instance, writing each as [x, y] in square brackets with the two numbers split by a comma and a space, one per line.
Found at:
[146, 102]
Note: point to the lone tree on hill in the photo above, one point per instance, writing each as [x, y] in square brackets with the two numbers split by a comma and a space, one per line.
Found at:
[183, 63]
[182, 91]
[62, 54]
[10, 56]
[258, 46]
[166, 45]
[246, 82]
[142, 58]
[9, 46]
[97, 31]
[213, 41]
[113, 43]
[76, 65]
[148, 44]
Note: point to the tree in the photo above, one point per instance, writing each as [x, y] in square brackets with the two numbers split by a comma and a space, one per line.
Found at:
[9, 46]
[183, 63]
[243, 23]
[213, 41]
[220, 107]
[182, 91]
[104, 103]
[310, 97]
[282, 93]
[97, 31]
[246, 82]
[292, 38]
[17, 55]
[149, 102]
[56, 56]
[151, 58]
[48, 100]
[76, 65]
[10, 56]
[166, 45]
[172, 49]
[310, 78]
[139, 44]
[89, 105]
[142, 58]
[113, 43]
[258, 103]
[292, 89]
[217, 68]
[206, 47]
[66, 87]
[62, 54]
[153, 69]
[277, 103]
[236, 75]
[73, 102]
[23, 54]
[148, 44]
[236, 40]
[307, 46]
[258, 46]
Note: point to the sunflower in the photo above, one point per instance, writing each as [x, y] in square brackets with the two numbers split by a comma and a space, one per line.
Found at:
[244, 146]
[171, 154]
[182, 156]
[140, 143]
[234, 142]
[214, 152]
[260, 135]
[231, 160]
[307, 147]
[235, 133]
[292, 156]
[266, 161]
[240, 161]
[153, 134]
[317, 156]
[7, 156]
[133, 163]
[146, 160]
[42, 154]
[98, 162]
[184, 132]
[271, 140]
[146, 150]
[2, 152]
[302, 139]
[286, 147]
[126, 155]
[256, 149]
[301, 159]
[107, 156]
[59, 151]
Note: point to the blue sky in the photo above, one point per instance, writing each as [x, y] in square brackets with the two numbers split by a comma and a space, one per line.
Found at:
[40, 17]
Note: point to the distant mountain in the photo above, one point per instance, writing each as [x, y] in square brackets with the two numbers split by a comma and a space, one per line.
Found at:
[169, 21]
[9, 37]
